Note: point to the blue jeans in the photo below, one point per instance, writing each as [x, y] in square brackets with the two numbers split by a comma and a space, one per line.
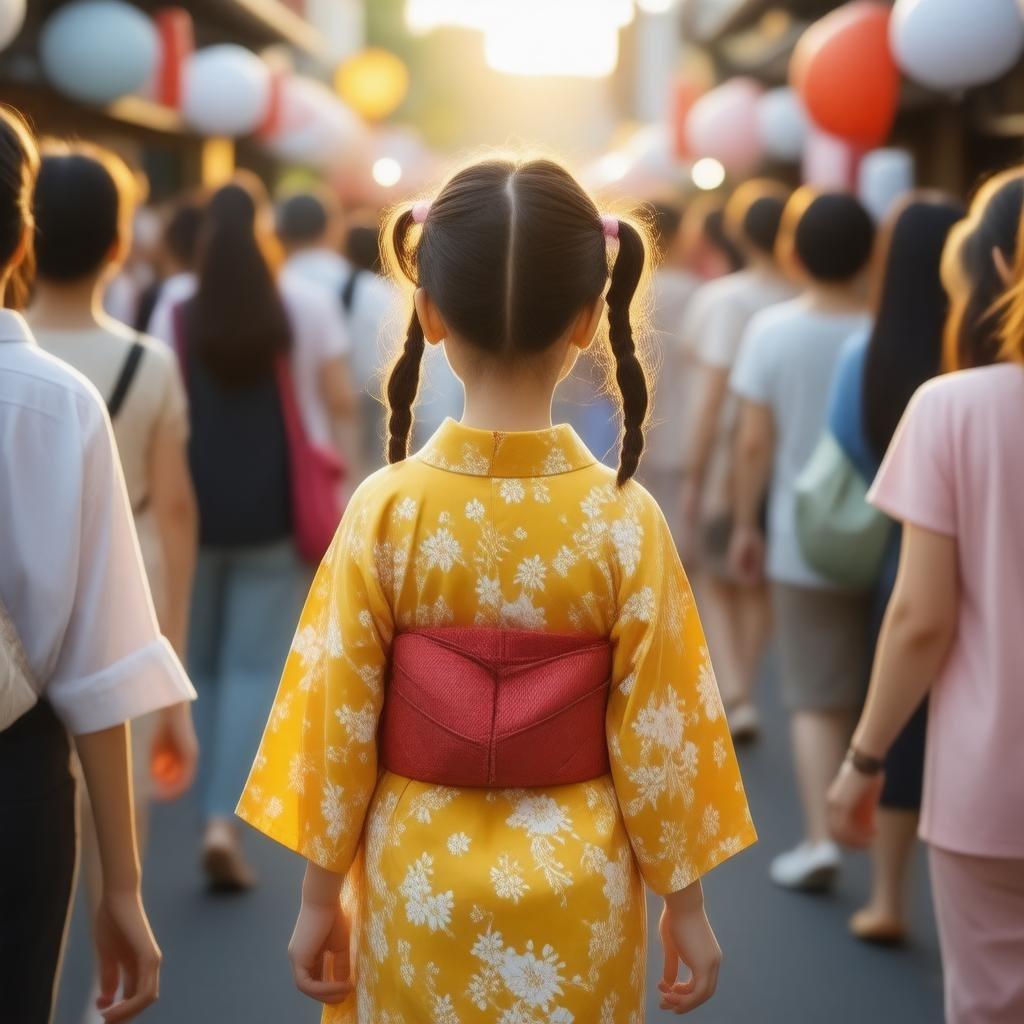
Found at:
[245, 604]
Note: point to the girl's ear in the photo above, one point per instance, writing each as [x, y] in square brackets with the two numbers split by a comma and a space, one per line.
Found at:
[584, 328]
[434, 328]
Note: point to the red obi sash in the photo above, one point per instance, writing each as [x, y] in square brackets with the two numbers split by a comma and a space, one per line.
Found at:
[498, 708]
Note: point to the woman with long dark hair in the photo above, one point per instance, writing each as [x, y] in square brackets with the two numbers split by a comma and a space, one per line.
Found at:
[880, 370]
[249, 581]
[952, 477]
[80, 651]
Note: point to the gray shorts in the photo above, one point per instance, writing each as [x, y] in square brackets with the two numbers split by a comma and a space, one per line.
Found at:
[823, 642]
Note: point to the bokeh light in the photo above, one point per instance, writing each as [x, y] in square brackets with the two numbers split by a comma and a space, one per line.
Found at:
[387, 171]
[373, 82]
[708, 174]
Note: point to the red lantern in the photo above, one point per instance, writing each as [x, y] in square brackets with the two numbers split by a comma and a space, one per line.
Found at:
[174, 25]
[685, 92]
[845, 73]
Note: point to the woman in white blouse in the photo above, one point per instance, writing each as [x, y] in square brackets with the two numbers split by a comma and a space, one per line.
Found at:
[80, 613]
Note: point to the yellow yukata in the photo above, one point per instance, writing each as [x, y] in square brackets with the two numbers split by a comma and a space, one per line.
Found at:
[495, 905]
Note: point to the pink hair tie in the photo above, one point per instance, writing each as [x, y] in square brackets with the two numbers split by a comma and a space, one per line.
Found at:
[610, 225]
[420, 211]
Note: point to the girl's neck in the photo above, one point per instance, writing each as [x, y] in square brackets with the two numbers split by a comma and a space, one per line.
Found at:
[832, 298]
[514, 403]
[67, 307]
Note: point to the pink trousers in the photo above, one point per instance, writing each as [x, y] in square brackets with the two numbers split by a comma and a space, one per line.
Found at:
[979, 905]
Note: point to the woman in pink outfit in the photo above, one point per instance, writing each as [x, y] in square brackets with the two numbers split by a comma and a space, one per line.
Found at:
[953, 477]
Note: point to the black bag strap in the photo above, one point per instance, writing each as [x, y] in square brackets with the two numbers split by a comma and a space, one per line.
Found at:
[125, 378]
[348, 293]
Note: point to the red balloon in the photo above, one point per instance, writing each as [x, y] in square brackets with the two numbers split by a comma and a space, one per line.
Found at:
[685, 92]
[845, 73]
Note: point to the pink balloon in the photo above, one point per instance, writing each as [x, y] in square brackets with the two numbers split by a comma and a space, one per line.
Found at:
[723, 124]
[830, 162]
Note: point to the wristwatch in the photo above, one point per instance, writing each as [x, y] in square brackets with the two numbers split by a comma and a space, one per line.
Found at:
[864, 763]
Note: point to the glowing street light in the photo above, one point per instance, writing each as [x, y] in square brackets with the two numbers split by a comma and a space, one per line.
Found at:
[707, 174]
[387, 171]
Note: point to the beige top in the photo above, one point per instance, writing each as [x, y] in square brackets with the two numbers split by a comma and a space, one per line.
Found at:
[155, 402]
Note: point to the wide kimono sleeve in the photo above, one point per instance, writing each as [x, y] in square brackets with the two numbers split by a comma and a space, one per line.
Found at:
[675, 771]
[316, 768]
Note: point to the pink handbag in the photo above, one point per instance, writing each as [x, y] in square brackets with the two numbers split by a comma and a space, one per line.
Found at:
[315, 473]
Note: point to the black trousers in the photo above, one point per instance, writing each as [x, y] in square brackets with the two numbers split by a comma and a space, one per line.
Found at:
[38, 848]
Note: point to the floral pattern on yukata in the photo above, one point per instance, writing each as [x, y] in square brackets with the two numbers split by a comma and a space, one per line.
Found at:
[501, 906]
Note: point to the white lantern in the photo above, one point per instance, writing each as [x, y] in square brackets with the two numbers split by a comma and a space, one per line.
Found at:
[227, 90]
[99, 50]
[314, 127]
[12, 15]
[782, 124]
[956, 44]
[884, 177]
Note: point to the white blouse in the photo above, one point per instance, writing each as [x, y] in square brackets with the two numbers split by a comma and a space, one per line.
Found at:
[71, 574]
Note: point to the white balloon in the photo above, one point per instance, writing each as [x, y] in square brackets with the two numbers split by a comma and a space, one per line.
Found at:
[723, 124]
[227, 90]
[315, 127]
[956, 44]
[782, 124]
[828, 162]
[12, 15]
[99, 50]
[885, 176]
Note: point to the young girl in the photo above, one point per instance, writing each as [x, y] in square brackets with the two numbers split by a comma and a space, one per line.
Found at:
[498, 718]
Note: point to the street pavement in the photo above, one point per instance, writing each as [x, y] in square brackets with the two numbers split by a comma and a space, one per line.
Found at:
[788, 958]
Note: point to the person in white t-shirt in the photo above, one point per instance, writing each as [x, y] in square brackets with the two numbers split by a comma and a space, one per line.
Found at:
[783, 375]
[310, 229]
[737, 618]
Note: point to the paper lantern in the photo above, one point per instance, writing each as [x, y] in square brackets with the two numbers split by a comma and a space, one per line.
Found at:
[12, 16]
[314, 126]
[723, 124]
[955, 44]
[830, 163]
[97, 51]
[373, 83]
[177, 41]
[227, 90]
[845, 74]
[782, 124]
[885, 176]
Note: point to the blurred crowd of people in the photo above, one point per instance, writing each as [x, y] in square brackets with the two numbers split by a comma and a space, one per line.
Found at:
[790, 337]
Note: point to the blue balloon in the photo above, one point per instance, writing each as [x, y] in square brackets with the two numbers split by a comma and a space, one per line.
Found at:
[97, 51]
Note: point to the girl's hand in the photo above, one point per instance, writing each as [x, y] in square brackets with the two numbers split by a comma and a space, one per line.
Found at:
[175, 753]
[319, 952]
[687, 937]
[127, 957]
[852, 801]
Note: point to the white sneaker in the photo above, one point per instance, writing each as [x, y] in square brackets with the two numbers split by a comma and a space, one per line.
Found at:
[809, 866]
[744, 723]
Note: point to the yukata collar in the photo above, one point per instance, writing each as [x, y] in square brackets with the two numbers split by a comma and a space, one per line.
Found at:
[495, 453]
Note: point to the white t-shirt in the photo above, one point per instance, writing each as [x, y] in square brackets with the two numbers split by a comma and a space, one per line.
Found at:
[722, 309]
[786, 362]
[373, 317]
[671, 383]
[71, 576]
[318, 336]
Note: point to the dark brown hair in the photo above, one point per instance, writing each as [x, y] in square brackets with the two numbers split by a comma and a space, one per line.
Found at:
[236, 319]
[19, 162]
[510, 253]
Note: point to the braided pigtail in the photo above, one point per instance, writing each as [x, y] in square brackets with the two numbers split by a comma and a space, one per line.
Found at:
[629, 372]
[404, 377]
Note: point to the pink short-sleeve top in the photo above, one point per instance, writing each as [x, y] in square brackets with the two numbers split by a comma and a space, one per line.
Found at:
[956, 467]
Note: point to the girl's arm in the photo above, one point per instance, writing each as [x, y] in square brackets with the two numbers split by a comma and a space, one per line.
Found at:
[752, 465]
[175, 749]
[687, 937]
[127, 953]
[336, 389]
[319, 947]
[919, 626]
[715, 386]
